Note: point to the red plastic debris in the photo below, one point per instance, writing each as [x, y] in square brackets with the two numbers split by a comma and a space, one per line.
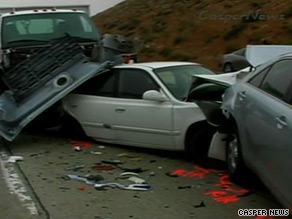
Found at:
[225, 195]
[82, 188]
[81, 144]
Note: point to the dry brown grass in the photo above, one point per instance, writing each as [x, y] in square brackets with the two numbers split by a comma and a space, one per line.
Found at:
[192, 29]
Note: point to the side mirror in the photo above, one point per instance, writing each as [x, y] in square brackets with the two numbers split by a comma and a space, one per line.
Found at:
[154, 95]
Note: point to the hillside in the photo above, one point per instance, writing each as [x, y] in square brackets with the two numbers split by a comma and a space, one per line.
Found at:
[197, 30]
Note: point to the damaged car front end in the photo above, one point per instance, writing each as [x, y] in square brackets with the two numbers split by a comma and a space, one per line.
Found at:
[254, 127]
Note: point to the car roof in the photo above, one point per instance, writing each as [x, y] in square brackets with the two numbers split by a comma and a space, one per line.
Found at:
[36, 11]
[155, 65]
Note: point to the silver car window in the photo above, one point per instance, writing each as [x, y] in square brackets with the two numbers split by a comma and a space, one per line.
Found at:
[278, 79]
[258, 78]
[101, 85]
[134, 82]
[178, 79]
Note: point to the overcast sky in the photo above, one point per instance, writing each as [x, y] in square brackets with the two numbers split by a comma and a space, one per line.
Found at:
[96, 6]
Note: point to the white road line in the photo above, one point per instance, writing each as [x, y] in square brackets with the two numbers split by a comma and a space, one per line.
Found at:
[15, 184]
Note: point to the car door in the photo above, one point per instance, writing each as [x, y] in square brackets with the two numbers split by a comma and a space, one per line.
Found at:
[264, 104]
[137, 121]
[92, 105]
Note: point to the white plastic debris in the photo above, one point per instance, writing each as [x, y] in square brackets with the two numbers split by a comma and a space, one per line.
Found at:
[101, 146]
[96, 152]
[14, 159]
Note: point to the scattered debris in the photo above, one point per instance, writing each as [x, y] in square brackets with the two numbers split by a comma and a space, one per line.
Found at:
[64, 188]
[75, 167]
[133, 187]
[82, 188]
[77, 148]
[246, 194]
[171, 174]
[136, 159]
[14, 159]
[90, 180]
[202, 204]
[131, 177]
[184, 187]
[101, 147]
[105, 167]
[135, 170]
[81, 144]
[126, 155]
[113, 162]
[96, 152]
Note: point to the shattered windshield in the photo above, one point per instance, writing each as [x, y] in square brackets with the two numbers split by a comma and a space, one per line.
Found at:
[39, 28]
[178, 79]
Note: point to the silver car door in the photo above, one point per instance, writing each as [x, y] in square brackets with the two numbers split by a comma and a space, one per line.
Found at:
[92, 104]
[265, 127]
[138, 121]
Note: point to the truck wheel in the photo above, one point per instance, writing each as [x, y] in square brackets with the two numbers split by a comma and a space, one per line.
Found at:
[235, 163]
[199, 144]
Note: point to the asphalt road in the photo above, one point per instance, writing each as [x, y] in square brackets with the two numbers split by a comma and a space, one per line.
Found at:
[39, 187]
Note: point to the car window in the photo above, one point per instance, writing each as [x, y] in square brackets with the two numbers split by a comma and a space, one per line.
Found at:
[134, 82]
[278, 79]
[101, 85]
[258, 78]
[178, 79]
[240, 52]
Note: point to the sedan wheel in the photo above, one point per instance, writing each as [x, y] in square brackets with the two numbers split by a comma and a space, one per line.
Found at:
[232, 154]
[199, 143]
[234, 159]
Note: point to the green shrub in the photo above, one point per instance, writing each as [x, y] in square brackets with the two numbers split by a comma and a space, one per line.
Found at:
[165, 12]
[235, 31]
[180, 56]
[159, 26]
[257, 4]
[148, 49]
[231, 48]
[179, 39]
[288, 13]
[165, 52]
[111, 25]
[149, 38]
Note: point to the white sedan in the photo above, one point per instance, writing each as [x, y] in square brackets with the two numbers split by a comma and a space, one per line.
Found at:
[144, 105]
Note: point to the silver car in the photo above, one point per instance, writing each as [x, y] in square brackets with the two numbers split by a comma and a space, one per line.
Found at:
[259, 116]
[235, 61]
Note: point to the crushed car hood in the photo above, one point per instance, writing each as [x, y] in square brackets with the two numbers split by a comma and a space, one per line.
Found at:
[226, 79]
[46, 77]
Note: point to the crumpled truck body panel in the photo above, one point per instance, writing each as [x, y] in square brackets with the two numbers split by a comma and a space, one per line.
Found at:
[41, 81]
